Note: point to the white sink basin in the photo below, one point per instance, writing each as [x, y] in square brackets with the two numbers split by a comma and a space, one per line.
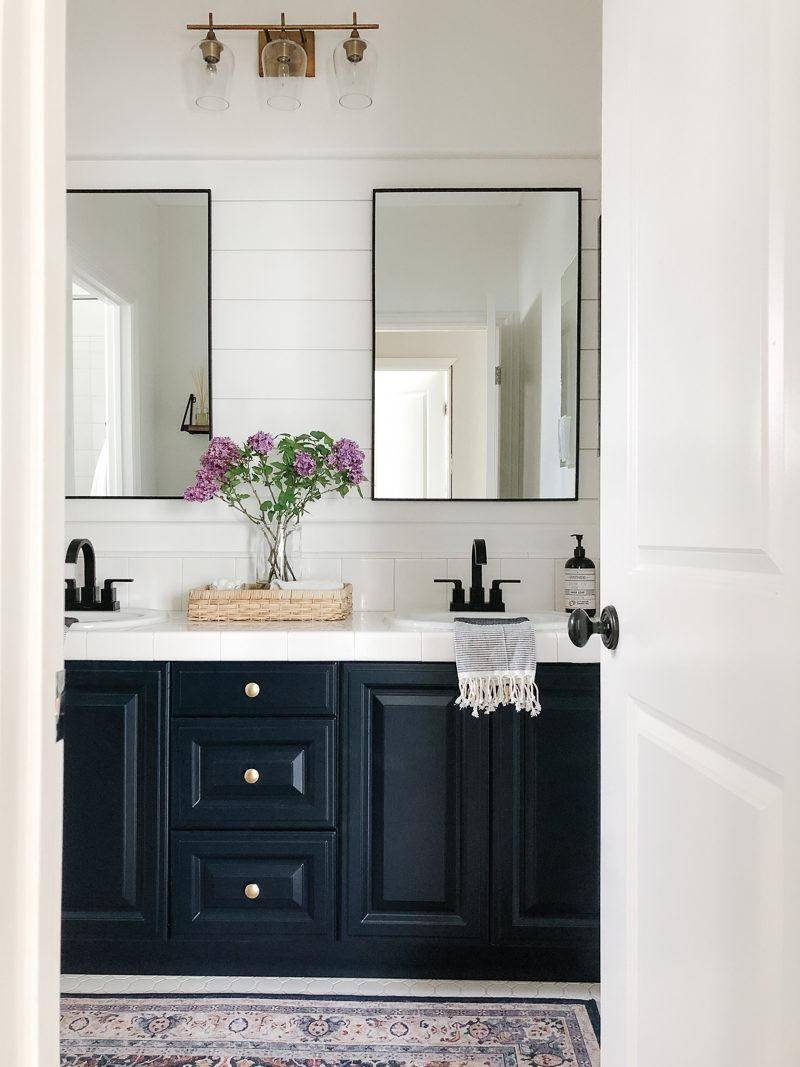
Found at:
[124, 619]
[543, 621]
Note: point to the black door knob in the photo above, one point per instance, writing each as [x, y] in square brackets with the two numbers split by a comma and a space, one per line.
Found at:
[580, 627]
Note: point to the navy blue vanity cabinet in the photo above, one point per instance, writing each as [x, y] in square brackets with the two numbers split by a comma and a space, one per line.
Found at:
[546, 820]
[417, 787]
[114, 876]
[328, 818]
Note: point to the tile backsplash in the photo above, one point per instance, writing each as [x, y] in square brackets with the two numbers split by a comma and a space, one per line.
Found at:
[292, 347]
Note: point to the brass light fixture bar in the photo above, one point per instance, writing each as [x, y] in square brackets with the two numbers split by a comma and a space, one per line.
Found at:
[304, 34]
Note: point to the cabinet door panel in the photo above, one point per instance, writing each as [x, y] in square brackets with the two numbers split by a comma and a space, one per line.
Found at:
[113, 804]
[417, 806]
[546, 811]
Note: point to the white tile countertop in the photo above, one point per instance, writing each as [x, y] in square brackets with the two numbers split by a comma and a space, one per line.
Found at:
[364, 636]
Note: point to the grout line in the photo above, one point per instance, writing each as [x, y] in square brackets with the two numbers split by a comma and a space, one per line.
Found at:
[239, 348]
[294, 248]
[290, 300]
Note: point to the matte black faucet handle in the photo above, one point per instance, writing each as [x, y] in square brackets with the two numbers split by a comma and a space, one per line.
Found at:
[108, 601]
[496, 594]
[458, 601]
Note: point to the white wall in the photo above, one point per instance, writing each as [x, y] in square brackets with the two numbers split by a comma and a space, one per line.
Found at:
[456, 77]
[546, 249]
[292, 349]
[182, 340]
[446, 258]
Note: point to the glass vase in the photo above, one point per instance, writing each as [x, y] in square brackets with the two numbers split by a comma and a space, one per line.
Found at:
[277, 545]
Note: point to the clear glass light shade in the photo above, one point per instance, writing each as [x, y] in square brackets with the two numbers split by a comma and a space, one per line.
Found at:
[354, 63]
[284, 64]
[210, 82]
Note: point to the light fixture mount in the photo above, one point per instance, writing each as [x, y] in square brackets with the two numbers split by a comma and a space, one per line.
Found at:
[303, 35]
[210, 47]
[355, 45]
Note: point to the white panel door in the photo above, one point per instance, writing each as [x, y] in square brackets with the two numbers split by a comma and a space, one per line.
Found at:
[701, 533]
[33, 336]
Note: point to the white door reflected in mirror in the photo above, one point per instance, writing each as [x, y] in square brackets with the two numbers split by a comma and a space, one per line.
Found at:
[413, 433]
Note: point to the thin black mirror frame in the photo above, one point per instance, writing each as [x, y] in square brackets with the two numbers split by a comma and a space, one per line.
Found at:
[207, 194]
[480, 499]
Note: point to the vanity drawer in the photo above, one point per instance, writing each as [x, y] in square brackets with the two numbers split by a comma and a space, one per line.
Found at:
[254, 689]
[239, 885]
[251, 773]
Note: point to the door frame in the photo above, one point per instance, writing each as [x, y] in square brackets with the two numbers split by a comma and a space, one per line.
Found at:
[122, 382]
[32, 340]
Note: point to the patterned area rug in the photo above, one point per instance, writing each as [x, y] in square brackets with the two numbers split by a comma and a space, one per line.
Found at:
[294, 1031]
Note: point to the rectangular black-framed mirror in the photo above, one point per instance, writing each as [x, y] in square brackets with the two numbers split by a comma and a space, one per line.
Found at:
[138, 389]
[476, 343]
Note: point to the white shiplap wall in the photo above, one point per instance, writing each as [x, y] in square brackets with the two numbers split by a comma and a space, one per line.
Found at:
[292, 350]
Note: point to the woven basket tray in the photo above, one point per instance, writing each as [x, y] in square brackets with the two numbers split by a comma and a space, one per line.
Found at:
[254, 604]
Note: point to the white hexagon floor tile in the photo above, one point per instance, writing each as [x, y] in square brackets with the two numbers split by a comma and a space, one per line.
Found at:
[166, 984]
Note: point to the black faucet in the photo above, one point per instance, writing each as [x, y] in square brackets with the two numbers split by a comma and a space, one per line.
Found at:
[477, 594]
[89, 597]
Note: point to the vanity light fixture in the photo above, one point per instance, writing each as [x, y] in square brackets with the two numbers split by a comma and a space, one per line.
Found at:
[286, 55]
[354, 62]
[211, 66]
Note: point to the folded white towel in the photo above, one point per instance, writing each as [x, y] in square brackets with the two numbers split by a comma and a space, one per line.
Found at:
[307, 583]
[227, 583]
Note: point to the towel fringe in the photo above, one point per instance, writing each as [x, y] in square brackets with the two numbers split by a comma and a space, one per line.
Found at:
[486, 692]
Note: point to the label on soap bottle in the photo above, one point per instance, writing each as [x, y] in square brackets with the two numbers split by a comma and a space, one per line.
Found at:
[580, 588]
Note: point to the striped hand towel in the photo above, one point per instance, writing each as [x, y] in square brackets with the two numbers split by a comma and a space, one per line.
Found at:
[496, 664]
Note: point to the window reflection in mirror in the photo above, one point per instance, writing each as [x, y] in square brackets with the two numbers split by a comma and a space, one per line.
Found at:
[138, 341]
[476, 344]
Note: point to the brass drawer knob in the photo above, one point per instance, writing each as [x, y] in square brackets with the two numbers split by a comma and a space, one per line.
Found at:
[251, 776]
[252, 891]
[252, 689]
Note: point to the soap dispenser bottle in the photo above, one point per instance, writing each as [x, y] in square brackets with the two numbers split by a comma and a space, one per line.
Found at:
[580, 581]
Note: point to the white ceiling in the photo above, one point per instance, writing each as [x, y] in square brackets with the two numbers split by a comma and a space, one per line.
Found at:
[456, 77]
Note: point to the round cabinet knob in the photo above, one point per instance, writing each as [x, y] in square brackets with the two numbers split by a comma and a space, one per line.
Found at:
[252, 891]
[252, 689]
[251, 776]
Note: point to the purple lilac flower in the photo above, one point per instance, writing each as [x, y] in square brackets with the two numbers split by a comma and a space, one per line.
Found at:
[347, 458]
[304, 464]
[214, 465]
[219, 456]
[261, 442]
[204, 488]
